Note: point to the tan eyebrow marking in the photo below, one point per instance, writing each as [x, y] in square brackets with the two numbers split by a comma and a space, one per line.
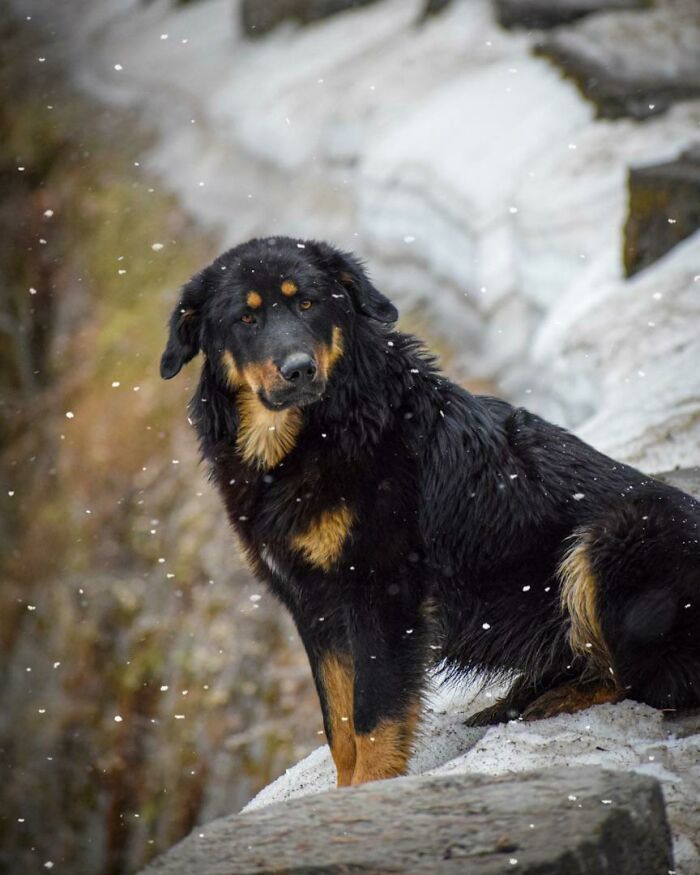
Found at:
[289, 288]
[253, 300]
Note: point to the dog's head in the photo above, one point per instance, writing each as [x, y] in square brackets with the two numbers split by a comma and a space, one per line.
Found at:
[272, 315]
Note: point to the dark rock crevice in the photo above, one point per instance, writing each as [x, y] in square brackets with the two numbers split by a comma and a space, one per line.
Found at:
[258, 18]
[664, 209]
[551, 13]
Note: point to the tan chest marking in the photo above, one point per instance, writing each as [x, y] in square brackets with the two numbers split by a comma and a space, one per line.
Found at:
[322, 543]
[265, 436]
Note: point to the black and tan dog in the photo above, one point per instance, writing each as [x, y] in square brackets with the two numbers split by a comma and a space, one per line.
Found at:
[406, 523]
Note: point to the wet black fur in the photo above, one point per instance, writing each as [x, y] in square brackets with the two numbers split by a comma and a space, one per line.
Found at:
[462, 502]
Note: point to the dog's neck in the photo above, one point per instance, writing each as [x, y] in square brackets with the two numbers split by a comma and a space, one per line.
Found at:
[264, 436]
[365, 394]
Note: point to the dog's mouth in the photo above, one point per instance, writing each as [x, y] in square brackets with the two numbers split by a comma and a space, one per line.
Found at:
[286, 398]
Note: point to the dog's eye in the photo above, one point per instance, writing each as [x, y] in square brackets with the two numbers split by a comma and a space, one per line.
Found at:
[248, 319]
[305, 304]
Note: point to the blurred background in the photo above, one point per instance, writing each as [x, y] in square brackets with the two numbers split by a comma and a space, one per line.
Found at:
[522, 177]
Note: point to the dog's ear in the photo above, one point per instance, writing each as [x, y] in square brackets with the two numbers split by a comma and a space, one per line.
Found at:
[350, 273]
[185, 327]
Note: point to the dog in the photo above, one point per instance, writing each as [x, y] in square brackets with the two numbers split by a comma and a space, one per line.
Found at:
[409, 525]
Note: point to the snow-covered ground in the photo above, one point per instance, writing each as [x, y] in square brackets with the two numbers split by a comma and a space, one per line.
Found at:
[624, 736]
[472, 176]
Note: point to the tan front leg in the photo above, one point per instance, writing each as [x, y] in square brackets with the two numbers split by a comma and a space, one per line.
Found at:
[384, 753]
[338, 682]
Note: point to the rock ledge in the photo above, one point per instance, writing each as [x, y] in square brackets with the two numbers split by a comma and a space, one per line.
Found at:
[555, 822]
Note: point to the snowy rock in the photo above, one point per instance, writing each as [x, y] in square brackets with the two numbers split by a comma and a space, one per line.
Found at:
[549, 13]
[633, 63]
[627, 736]
[687, 479]
[458, 201]
[583, 821]
[260, 17]
[664, 208]
[473, 178]
[635, 344]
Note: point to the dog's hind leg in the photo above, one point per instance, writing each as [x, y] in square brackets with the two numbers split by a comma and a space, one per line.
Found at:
[572, 697]
[522, 693]
[631, 589]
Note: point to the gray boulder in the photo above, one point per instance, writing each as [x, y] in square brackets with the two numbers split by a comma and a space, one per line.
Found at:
[556, 822]
[664, 208]
[260, 16]
[632, 63]
[550, 13]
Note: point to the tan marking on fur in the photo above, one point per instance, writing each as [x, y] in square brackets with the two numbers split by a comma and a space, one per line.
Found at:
[289, 288]
[579, 599]
[327, 356]
[569, 698]
[265, 436]
[229, 364]
[254, 300]
[384, 752]
[322, 543]
[338, 682]
[262, 375]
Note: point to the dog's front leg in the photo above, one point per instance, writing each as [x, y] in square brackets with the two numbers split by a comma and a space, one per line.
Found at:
[332, 667]
[369, 669]
[388, 647]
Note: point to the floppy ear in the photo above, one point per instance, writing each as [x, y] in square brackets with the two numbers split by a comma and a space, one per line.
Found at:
[350, 273]
[185, 327]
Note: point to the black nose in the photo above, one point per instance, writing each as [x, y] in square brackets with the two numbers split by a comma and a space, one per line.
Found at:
[298, 368]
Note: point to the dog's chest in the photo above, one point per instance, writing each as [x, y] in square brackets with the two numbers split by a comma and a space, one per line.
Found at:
[288, 512]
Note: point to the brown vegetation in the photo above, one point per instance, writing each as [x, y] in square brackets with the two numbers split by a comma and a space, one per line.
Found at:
[142, 689]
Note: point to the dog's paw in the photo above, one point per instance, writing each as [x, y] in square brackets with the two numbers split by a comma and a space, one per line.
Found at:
[570, 698]
[499, 712]
[549, 705]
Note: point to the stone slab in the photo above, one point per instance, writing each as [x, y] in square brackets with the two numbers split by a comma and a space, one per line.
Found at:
[555, 822]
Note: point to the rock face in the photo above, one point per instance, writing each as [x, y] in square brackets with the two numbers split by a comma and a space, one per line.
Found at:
[586, 822]
[664, 208]
[260, 16]
[632, 63]
[549, 13]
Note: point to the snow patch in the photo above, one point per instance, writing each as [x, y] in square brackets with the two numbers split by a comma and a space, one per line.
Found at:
[625, 736]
